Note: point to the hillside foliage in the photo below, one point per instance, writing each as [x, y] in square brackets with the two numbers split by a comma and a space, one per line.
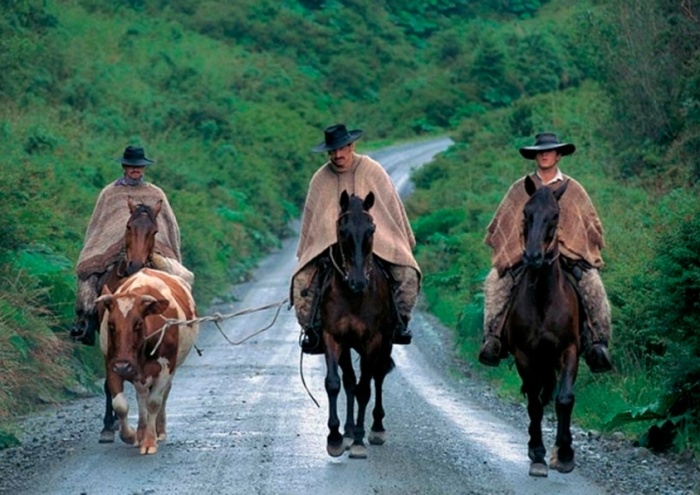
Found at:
[229, 97]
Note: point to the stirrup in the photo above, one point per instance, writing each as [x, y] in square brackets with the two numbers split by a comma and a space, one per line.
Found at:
[402, 335]
[598, 358]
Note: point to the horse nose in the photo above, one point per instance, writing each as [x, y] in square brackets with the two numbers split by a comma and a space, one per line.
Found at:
[132, 267]
[357, 285]
[534, 260]
[123, 369]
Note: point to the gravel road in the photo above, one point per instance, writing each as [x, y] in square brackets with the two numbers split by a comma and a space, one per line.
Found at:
[240, 421]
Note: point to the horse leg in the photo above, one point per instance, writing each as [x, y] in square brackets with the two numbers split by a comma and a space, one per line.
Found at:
[334, 442]
[349, 383]
[536, 450]
[363, 391]
[109, 421]
[377, 434]
[562, 458]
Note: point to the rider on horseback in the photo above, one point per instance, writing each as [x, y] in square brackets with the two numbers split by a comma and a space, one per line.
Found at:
[104, 239]
[580, 238]
[393, 240]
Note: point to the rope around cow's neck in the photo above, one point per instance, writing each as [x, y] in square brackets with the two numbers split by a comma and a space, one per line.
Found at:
[217, 318]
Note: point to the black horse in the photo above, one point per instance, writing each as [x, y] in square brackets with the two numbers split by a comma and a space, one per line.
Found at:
[357, 313]
[542, 329]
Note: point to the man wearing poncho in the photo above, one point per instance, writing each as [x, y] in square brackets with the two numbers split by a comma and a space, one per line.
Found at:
[104, 238]
[393, 239]
[580, 238]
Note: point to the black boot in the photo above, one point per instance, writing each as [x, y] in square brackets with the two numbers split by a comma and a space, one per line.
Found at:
[598, 358]
[311, 342]
[402, 334]
[84, 329]
[491, 351]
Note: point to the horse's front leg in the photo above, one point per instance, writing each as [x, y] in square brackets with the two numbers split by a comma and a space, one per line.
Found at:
[563, 453]
[110, 419]
[349, 383]
[532, 386]
[334, 443]
[377, 434]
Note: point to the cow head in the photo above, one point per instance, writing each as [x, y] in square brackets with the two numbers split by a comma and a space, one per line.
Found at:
[125, 316]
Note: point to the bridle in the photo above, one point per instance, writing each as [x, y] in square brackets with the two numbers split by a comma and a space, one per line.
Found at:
[343, 273]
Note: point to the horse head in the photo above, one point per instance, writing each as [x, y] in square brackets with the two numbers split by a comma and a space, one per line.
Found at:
[140, 237]
[355, 230]
[540, 223]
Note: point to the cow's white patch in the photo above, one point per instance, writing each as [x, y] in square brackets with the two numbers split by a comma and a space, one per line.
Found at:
[125, 305]
[120, 404]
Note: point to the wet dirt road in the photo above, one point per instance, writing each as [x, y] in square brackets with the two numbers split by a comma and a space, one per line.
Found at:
[240, 421]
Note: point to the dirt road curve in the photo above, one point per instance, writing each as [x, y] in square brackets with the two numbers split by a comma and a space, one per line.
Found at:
[240, 421]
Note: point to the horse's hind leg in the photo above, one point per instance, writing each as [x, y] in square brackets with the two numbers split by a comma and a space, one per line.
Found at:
[109, 422]
[349, 383]
[377, 434]
[563, 453]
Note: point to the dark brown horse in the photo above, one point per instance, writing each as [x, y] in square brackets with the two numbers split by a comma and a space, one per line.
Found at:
[542, 329]
[139, 241]
[357, 313]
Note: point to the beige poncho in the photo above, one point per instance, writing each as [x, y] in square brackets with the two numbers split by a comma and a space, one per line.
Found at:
[580, 232]
[393, 239]
[104, 237]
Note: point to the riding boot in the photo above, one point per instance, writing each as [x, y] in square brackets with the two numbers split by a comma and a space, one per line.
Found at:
[497, 292]
[402, 334]
[596, 328]
[311, 341]
[85, 329]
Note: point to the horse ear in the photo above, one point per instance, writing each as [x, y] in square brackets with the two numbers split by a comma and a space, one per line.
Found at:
[157, 207]
[369, 201]
[561, 190]
[530, 186]
[344, 200]
[131, 204]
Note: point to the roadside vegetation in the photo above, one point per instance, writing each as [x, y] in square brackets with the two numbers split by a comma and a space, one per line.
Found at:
[229, 97]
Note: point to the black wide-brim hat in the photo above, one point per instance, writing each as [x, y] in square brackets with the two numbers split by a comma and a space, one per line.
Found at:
[336, 136]
[544, 142]
[134, 156]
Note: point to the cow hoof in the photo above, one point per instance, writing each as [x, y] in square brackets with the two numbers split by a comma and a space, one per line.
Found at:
[377, 437]
[538, 469]
[107, 436]
[148, 449]
[358, 452]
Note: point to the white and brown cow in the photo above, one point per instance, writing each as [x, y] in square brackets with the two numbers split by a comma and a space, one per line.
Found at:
[133, 316]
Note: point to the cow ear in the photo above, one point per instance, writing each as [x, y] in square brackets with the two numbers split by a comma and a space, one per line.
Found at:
[152, 306]
[105, 300]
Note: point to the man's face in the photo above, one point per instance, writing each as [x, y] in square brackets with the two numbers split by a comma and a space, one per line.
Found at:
[134, 173]
[342, 157]
[547, 159]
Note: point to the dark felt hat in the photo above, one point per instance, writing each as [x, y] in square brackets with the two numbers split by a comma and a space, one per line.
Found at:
[134, 156]
[544, 142]
[336, 136]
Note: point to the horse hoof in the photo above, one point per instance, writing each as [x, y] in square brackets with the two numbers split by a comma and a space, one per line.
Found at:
[358, 452]
[563, 467]
[335, 450]
[538, 469]
[107, 436]
[377, 437]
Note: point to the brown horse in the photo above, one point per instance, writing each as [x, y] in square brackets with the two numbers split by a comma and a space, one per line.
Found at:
[139, 241]
[357, 312]
[542, 329]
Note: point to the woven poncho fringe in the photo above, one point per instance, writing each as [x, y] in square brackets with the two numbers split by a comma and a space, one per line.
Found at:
[104, 237]
[393, 238]
[580, 232]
